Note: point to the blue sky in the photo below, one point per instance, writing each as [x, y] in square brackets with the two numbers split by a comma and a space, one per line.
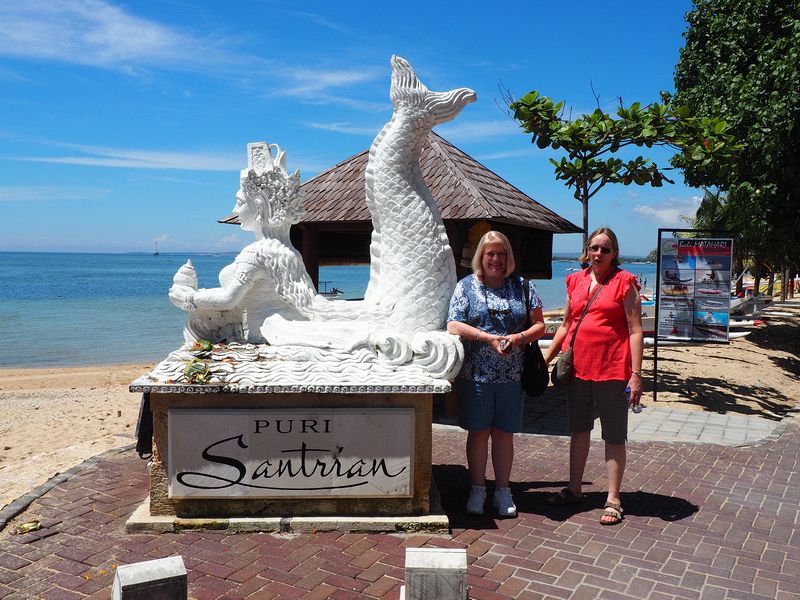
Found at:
[121, 124]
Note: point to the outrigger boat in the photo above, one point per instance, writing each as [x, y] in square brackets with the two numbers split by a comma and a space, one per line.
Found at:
[749, 305]
[330, 293]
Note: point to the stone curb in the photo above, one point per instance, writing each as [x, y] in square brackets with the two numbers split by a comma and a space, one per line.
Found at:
[10, 511]
[141, 521]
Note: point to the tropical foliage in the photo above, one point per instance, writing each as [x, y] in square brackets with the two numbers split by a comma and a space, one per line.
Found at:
[592, 143]
[741, 60]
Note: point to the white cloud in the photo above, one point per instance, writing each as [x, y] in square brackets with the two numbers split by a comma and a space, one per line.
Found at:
[135, 158]
[230, 243]
[344, 128]
[98, 34]
[97, 156]
[478, 130]
[95, 33]
[9, 75]
[506, 154]
[672, 212]
[309, 82]
[331, 99]
[24, 193]
[495, 67]
[319, 20]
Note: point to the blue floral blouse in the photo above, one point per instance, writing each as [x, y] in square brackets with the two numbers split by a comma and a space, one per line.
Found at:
[499, 311]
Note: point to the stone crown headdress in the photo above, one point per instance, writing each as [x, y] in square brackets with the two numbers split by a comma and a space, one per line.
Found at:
[266, 178]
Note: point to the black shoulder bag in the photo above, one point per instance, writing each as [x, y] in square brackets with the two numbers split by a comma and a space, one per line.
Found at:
[534, 373]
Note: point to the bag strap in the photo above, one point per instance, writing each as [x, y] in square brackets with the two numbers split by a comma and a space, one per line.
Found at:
[588, 304]
[527, 292]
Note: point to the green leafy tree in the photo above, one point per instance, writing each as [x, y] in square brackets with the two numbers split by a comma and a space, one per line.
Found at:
[592, 143]
[714, 213]
[741, 60]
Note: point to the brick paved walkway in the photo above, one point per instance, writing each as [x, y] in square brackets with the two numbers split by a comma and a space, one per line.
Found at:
[702, 521]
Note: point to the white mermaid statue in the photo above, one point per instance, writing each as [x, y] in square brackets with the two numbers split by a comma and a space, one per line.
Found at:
[266, 295]
[268, 276]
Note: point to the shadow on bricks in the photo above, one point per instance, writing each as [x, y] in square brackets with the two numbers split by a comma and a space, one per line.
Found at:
[666, 508]
[453, 484]
[531, 498]
[640, 504]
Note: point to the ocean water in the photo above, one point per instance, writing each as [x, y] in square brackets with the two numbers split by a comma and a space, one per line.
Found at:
[84, 309]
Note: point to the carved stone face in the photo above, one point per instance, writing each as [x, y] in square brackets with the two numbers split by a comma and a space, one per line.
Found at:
[245, 211]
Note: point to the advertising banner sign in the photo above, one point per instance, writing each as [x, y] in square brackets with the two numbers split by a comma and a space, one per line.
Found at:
[694, 290]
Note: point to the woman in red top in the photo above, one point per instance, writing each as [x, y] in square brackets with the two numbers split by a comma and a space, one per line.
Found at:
[607, 359]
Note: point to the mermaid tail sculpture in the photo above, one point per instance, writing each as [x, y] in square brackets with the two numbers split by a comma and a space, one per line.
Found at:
[412, 271]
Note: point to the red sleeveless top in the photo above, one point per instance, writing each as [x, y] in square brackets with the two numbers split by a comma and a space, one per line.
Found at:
[602, 350]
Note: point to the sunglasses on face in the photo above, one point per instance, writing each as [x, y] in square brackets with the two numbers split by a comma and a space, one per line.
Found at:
[603, 249]
[495, 254]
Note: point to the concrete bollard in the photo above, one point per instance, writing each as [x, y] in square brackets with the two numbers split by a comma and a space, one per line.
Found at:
[161, 579]
[439, 573]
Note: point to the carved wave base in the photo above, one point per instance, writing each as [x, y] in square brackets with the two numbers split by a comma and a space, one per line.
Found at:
[250, 368]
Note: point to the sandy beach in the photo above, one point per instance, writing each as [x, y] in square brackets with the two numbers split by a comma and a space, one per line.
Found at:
[56, 418]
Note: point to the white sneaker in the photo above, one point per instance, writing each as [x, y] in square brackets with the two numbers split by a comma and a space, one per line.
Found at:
[504, 502]
[477, 498]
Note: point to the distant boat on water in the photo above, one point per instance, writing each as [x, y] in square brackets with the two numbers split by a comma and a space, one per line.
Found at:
[330, 293]
[155, 251]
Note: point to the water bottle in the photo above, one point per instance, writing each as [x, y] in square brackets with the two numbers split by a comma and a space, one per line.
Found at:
[636, 408]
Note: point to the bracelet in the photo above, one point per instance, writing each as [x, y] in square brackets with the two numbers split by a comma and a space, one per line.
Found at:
[637, 373]
[478, 337]
[522, 335]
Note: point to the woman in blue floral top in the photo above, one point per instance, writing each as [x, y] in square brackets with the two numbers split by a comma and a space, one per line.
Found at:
[488, 311]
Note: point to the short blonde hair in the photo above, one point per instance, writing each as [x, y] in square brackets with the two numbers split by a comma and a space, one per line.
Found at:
[493, 237]
[611, 235]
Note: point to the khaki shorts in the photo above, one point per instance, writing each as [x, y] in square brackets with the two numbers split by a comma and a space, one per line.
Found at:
[587, 400]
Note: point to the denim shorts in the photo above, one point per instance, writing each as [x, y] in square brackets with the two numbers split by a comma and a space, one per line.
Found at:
[604, 399]
[484, 406]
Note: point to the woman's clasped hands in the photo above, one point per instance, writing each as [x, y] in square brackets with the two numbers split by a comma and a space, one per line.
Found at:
[502, 344]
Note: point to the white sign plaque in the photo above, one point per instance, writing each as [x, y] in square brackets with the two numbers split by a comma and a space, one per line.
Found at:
[290, 453]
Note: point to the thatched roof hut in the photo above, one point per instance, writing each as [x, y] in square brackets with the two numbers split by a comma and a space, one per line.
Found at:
[337, 225]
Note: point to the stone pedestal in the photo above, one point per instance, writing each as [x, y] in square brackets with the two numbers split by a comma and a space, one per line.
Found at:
[439, 573]
[394, 503]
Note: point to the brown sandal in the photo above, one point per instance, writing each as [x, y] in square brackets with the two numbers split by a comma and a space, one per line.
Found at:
[612, 511]
[565, 496]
